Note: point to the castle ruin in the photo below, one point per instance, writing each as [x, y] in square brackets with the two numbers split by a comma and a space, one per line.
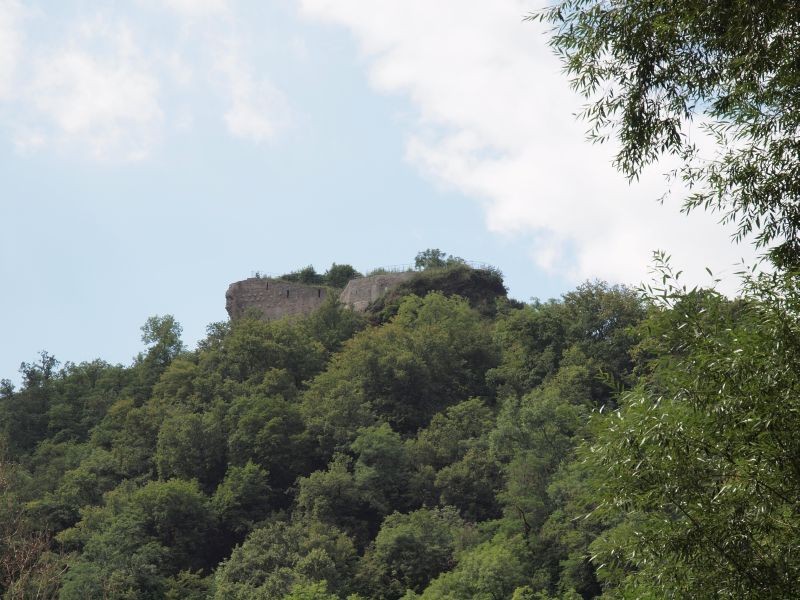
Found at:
[278, 298]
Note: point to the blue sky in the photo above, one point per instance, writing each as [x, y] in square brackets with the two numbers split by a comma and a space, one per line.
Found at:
[152, 152]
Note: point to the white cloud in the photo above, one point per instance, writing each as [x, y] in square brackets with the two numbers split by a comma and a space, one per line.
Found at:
[178, 68]
[252, 115]
[191, 9]
[197, 8]
[28, 140]
[95, 94]
[495, 120]
[299, 48]
[109, 88]
[11, 38]
[258, 110]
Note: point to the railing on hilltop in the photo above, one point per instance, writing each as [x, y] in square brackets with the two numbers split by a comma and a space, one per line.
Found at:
[475, 264]
[265, 275]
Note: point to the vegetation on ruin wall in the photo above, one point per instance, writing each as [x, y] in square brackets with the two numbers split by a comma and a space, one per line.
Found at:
[482, 288]
[336, 276]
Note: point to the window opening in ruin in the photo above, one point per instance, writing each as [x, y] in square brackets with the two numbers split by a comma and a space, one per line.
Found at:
[287, 293]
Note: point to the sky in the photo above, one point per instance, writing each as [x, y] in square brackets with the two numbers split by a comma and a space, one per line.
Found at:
[154, 151]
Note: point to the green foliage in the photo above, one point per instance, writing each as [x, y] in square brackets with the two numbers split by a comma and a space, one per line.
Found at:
[695, 480]
[130, 433]
[481, 287]
[50, 461]
[253, 348]
[180, 385]
[163, 336]
[700, 456]
[434, 353]
[28, 568]
[282, 558]
[431, 455]
[138, 539]
[433, 258]
[85, 484]
[381, 469]
[307, 275]
[430, 258]
[188, 585]
[564, 539]
[471, 485]
[81, 395]
[24, 414]
[269, 431]
[535, 436]
[335, 498]
[491, 570]
[192, 446]
[596, 319]
[445, 442]
[451, 433]
[445, 350]
[242, 499]
[317, 590]
[651, 69]
[338, 275]
[532, 341]
[58, 405]
[410, 550]
[460, 445]
[333, 324]
[335, 406]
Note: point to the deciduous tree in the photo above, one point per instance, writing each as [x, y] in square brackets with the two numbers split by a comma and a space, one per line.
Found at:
[653, 68]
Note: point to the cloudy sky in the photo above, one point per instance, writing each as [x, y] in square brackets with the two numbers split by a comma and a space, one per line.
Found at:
[153, 151]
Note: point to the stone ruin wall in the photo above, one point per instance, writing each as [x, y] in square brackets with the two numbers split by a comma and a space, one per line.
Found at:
[276, 298]
[360, 293]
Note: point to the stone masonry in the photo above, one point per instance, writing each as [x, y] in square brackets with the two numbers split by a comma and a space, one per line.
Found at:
[360, 293]
[276, 298]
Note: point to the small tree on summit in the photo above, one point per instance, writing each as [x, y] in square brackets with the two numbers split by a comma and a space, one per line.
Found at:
[307, 275]
[339, 275]
[433, 258]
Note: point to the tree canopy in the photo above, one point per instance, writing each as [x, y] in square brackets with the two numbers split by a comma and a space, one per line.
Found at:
[317, 457]
[698, 465]
[653, 69]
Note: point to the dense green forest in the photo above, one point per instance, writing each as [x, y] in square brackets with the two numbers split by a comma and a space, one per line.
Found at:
[445, 449]
[324, 457]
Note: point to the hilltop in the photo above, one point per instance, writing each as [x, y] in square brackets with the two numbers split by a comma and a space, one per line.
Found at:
[302, 292]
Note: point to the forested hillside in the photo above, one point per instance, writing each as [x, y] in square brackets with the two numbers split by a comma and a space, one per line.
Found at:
[320, 457]
[445, 452]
